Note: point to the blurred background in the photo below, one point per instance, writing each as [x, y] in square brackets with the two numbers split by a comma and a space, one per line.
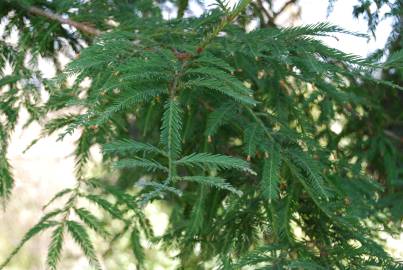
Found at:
[48, 166]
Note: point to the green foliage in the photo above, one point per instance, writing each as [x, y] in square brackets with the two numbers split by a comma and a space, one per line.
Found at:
[80, 235]
[270, 175]
[91, 221]
[216, 80]
[212, 181]
[171, 128]
[149, 165]
[55, 247]
[313, 177]
[230, 129]
[219, 117]
[6, 182]
[105, 205]
[42, 225]
[130, 146]
[206, 161]
[136, 246]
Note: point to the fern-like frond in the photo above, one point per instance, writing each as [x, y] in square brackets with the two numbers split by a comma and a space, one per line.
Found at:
[219, 117]
[197, 216]
[41, 226]
[55, 247]
[159, 190]
[6, 179]
[312, 170]
[222, 87]
[130, 146]
[212, 181]
[57, 196]
[91, 221]
[138, 250]
[171, 128]
[149, 165]
[318, 29]
[8, 79]
[258, 256]
[122, 197]
[161, 187]
[252, 138]
[126, 101]
[214, 78]
[82, 151]
[395, 59]
[271, 175]
[211, 60]
[80, 236]
[207, 160]
[106, 205]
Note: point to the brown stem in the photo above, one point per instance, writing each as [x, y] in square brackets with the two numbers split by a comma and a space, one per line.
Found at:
[393, 135]
[58, 18]
[284, 7]
[265, 11]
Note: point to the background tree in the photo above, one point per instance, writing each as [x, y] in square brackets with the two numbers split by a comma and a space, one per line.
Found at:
[229, 128]
[386, 138]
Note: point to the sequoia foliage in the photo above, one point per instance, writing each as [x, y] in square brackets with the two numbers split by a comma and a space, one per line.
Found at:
[230, 129]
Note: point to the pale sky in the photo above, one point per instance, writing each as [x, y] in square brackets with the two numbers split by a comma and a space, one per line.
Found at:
[314, 11]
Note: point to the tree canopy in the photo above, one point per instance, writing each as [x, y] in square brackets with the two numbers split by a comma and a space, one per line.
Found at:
[231, 129]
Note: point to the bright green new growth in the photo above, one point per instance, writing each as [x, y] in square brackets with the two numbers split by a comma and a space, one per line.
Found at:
[218, 124]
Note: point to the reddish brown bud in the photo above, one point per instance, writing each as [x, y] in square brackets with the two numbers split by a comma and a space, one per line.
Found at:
[183, 56]
[283, 186]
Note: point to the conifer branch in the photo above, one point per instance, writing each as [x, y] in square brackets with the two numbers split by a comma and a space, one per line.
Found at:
[146, 74]
[260, 122]
[58, 18]
[224, 22]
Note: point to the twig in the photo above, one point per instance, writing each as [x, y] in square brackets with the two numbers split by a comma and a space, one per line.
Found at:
[265, 11]
[393, 135]
[224, 22]
[284, 7]
[58, 18]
